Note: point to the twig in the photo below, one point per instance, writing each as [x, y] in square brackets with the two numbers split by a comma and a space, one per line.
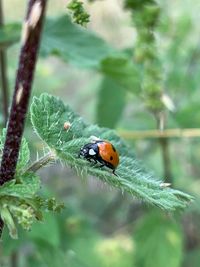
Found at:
[30, 43]
[3, 72]
[170, 133]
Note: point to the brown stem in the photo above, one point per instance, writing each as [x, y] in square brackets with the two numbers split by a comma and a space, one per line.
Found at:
[30, 43]
[3, 72]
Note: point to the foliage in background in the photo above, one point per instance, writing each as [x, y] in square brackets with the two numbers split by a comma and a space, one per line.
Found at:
[179, 55]
[79, 15]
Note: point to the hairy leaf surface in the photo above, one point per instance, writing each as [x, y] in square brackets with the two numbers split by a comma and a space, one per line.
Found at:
[48, 116]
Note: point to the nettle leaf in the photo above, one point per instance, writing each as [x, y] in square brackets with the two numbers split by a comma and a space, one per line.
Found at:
[49, 114]
[111, 103]
[24, 153]
[9, 34]
[73, 43]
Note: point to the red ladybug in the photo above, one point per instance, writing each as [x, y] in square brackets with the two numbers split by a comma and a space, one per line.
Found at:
[101, 151]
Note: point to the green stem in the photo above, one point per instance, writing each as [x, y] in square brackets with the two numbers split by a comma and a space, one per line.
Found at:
[43, 161]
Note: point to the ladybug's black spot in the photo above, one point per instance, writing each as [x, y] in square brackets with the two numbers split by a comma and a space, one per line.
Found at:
[113, 148]
[111, 158]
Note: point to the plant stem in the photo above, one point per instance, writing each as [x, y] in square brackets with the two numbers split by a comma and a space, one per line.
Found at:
[3, 72]
[30, 43]
[164, 145]
[43, 161]
[167, 133]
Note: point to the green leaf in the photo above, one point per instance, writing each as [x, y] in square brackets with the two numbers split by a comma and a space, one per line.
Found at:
[111, 103]
[50, 112]
[73, 44]
[122, 71]
[27, 187]
[24, 153]
[48, 115]
[161, 241]
[9, 34]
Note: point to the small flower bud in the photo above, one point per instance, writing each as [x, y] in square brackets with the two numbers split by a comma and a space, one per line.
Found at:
[67, 125]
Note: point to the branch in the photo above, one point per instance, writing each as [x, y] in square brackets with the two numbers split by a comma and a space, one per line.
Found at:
[170, 133]
[30, 43]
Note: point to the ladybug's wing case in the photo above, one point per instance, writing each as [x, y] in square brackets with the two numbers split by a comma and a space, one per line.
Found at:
[108, 154]
[101, 151]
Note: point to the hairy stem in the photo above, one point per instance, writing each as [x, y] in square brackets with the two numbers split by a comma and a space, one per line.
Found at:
[30, 43]
[3, 72]
[41, 162]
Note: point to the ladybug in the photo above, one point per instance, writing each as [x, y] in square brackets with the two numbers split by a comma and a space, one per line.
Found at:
[101, 151]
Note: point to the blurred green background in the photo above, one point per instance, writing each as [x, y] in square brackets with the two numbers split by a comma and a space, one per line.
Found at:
[100, 226]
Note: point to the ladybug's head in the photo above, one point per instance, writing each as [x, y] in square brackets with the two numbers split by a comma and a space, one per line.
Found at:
[84, 151]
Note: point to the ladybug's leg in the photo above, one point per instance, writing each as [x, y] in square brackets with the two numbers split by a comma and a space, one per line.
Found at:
[92, 160]
[114, 173]
[102, 165]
